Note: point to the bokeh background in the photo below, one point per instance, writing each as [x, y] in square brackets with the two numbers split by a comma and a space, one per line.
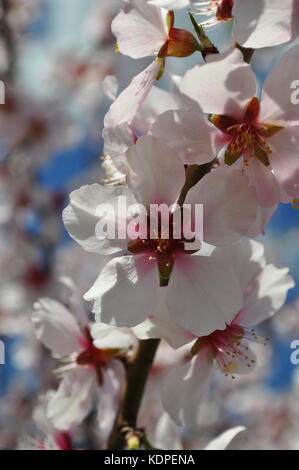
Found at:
[54, 56]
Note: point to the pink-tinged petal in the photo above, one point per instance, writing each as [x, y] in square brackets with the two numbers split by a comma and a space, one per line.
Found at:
[117, 140]
[140, 29]
[285, 159]
[203, 294]
[159, 325]
[230, 205]
[264, 182]
[185, 389]
[225, 439]
[85, 211]
[155, 172]
[265, 295]
[189, 133]
[224, 85]
[56, 327]
[129, 102]
[72, 299]
[262, 23]
[247, 259]
[263, 216]
[126, 291]
[166, 435]
[109, 395]
[157, 102]
[110, 87]
[277, 103]
[72, 402]
[106, 336]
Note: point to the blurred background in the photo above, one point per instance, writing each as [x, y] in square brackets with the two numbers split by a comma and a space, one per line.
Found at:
[54, 56]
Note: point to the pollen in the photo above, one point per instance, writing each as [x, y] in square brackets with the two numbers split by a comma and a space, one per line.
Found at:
[295, 203]
[229, 348]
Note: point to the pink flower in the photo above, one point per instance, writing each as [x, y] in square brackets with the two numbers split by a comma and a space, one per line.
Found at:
[128, 289]
[260, 137]
[264, 289]
[257, 23]
[53, 439]
[88, 363]
[145, 30]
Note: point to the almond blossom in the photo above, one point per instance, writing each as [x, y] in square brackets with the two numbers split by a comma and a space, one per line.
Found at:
[256, 23]
[260, 136]
[87, 357]
[53, 439]
[156, 175]
[144, 30]
[264, 289]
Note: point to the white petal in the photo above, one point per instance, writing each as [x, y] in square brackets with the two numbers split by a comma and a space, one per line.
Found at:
[56, 327]
[230, 205]
[140, 29]
[266, 295]
[155, 172]
[203, 294]
[185, 388]
[276, 102]
[159, 325]
[189, 133]
[224, 85]
[157, 102]
[126, 291]
[82, 215]
[110, 86]
[247, 259]
[171, 4]
[167, 434]
[109, 396]
[224, 440]
[106, 336]
[262, 23]
[72, 402]
[129, 102]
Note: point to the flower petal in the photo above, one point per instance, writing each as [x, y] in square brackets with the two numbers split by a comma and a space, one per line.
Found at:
[83, 214]
[262, 23]
[203, 294]
[265, 295]
[224, 440]
[140, 29]
[230, 205]
[189, 133]
[224, 85]
[155, 172]
[185, 388]
[56, 327]
[276, 102]
[72, 402]
[129, 102]
[126, 291]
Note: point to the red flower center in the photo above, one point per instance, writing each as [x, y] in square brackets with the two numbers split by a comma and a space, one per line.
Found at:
[248, 136]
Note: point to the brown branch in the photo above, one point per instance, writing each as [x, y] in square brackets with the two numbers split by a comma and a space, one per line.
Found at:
[136, 377]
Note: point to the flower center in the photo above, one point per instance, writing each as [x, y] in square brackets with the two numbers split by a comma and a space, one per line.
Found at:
[216, 11]
[162, 244]
[247, 137]
[229, 347]
[89, 356]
